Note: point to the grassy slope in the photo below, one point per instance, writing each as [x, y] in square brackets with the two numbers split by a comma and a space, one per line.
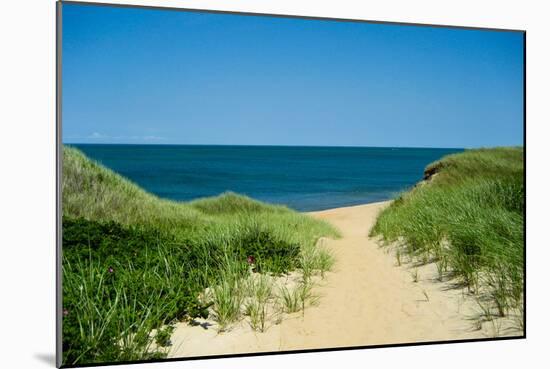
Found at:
[133, 261]
[468, 216]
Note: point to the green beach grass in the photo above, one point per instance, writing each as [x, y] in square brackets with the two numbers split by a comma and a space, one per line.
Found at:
[468, 217]
[134, 263]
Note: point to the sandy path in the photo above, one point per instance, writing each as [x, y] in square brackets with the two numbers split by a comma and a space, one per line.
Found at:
[365, 300]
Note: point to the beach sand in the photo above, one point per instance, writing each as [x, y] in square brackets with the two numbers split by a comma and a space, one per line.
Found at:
[365, 300]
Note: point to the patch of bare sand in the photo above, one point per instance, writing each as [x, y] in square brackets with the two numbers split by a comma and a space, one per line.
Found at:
[366, 300]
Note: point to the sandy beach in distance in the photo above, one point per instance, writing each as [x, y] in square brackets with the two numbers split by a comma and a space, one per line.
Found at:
[365, 300]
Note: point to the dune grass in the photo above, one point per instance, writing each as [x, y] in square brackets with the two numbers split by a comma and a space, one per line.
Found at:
[133, 262]
[295, 299]
[468, 217]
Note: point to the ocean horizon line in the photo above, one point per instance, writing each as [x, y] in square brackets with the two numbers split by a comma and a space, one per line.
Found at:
[271, 145]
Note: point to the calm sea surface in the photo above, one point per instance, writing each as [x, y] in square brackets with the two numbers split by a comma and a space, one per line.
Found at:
[304, 178]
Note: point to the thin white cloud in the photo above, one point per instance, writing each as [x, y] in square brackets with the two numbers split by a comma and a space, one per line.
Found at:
[140, 138]
[104, 137]
[153, 138]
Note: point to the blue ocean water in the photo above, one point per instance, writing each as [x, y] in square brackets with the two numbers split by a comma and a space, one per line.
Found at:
[303, 178]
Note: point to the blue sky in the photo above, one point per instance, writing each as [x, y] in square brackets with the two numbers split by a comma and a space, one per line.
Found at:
[168, 77]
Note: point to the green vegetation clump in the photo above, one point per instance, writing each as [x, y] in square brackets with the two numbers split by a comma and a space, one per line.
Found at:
[468, 217]
[134, 263]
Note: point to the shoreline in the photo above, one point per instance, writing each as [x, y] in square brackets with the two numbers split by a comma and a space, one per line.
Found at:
[349, 207]
[365, 300]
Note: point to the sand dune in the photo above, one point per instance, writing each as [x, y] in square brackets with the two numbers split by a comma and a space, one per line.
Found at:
[366, 300]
